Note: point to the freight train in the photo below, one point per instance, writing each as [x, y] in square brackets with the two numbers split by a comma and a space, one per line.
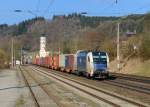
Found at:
[91, 64]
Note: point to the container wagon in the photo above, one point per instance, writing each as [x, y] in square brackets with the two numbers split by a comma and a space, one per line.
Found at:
[81, 62]
[46, 62]
[37, 61]
[62, 62]
[42, 61]
[69, 62]
[50, 61]
[55, 64]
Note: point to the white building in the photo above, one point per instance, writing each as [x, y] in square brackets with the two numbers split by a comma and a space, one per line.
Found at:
[42, 46]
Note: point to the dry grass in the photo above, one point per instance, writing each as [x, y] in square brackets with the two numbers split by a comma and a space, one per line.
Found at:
[134, 66]
[20, 102]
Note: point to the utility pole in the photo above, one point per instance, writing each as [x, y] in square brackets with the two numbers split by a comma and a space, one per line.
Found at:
[21, 57]
[118, 47]
[12, 53]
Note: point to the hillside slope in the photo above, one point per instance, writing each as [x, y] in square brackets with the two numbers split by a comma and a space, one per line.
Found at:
[134, 66]
[76, 32]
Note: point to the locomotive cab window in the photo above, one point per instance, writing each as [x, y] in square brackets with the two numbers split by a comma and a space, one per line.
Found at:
[99, 57]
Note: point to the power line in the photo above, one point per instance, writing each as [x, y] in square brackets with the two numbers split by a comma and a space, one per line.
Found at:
[48, 7]
[63, 12]
[111, 5]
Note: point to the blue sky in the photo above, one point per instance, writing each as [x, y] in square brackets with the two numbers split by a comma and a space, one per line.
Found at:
[48, 8]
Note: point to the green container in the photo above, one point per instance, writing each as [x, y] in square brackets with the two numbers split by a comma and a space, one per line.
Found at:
[62, 61]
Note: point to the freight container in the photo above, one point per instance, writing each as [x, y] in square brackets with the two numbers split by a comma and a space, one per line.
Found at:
[50, 61]
[55, 64]
[46, 62]
[75, 64]
[29, 61]
[33, 60]
[37, 62]
[42, 62]
[69, 62]
[62, 62]
[81, 61]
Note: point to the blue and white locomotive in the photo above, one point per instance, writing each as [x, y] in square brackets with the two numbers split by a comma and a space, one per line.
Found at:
[92, 64]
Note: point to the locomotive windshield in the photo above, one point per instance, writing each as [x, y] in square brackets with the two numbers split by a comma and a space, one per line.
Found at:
[99, 57]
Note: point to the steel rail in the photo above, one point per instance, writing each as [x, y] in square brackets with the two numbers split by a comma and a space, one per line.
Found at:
[30, 89]
[132, 77]
[44, 89]
[97, 89]
[99, 98]
[129, 86]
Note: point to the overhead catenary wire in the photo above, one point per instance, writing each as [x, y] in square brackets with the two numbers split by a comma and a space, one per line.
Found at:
[110, 5]
[48, 7]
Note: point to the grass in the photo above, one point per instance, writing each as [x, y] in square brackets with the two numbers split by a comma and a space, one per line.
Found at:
[20, 102]
[135, 67]
[143, 69]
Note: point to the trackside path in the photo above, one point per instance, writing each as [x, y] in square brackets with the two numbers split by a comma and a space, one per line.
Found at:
[13, 91]
[9, 92]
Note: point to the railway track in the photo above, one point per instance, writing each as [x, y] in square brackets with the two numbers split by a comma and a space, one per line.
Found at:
[108, 97]
[132, 77]
[130, 84]
[41, 86]
[30, 89]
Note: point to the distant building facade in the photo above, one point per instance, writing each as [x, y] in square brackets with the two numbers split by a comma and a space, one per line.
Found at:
[42, 52]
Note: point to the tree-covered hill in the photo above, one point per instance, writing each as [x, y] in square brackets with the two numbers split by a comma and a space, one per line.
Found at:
[75, 31]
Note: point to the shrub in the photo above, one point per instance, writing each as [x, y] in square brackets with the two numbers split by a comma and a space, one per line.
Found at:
[145, 47]
[3, 59]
